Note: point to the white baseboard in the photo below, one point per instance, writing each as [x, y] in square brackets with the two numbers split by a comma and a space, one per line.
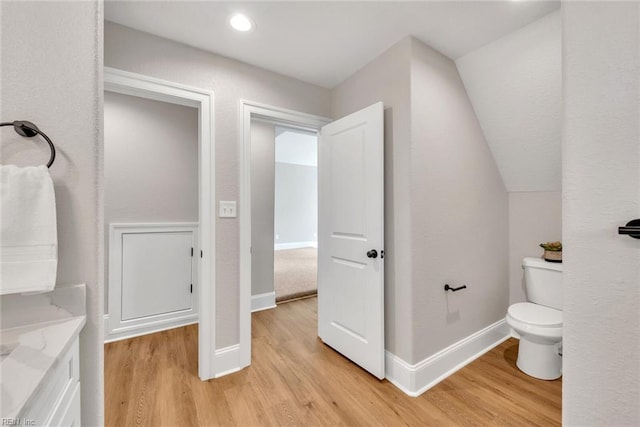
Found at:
[294, 245]
[227, 360]
[416, 379]
[149, 328]
[263, 301]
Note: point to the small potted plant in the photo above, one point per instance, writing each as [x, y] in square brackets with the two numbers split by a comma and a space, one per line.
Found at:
[552, 251]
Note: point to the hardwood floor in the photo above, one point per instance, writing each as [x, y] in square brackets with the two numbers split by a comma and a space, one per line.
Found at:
[295, 379]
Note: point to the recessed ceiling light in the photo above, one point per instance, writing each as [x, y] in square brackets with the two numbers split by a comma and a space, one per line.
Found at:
[241, 22]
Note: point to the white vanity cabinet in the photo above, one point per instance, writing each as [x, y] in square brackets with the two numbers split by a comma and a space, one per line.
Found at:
[57, 400]
[40, 364]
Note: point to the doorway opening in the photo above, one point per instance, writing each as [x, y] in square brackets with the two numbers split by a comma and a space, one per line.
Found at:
[284, 212]
[150, 214]
[183, 239]
[295, 214]
[259, 124]
[350, 230]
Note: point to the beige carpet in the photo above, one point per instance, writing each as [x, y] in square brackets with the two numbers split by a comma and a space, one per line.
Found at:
[295, 273]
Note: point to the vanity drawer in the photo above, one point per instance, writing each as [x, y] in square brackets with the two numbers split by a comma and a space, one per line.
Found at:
[56, 391]
[68, 415]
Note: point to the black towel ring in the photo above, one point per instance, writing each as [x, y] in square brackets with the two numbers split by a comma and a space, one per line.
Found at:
[28, 130]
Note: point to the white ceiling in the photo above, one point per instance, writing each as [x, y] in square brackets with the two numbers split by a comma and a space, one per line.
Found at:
[324, 42]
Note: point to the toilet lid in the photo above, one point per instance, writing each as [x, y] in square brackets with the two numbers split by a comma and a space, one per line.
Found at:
[535, 314]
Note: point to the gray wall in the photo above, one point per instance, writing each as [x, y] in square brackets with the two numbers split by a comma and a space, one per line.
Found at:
[524, 137]
[296, 203]
[135, 51]
[534, 218]
[601, 191]
[440, 178]
[263, 149]
[150, 163]
[51, 75]
[387, 79]
[459, 211]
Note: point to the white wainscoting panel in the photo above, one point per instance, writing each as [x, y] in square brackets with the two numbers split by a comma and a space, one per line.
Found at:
[156, 273]
[416, 379]
[152, 278]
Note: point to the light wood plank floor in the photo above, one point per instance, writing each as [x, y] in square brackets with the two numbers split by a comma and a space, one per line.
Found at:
[296, 380]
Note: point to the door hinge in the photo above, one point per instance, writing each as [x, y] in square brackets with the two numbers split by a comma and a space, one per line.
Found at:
[381, 254]
[200, 254]
[191, 251]
[191, 288]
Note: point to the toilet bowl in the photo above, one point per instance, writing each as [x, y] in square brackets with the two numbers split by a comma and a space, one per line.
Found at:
[540, 331]
[538, 322]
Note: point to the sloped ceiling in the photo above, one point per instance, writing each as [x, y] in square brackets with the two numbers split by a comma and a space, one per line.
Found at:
[514, 84]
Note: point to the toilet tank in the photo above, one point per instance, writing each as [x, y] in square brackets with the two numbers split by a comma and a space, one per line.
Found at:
[543, 282]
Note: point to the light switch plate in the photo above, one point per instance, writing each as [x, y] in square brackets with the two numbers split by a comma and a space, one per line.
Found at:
[227, 209]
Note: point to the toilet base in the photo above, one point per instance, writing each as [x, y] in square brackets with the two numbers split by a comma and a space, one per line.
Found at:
[539, 360]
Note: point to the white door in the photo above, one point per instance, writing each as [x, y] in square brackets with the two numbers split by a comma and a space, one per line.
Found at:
[350, 238]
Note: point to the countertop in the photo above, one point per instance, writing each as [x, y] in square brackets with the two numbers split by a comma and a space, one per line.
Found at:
[32, 350]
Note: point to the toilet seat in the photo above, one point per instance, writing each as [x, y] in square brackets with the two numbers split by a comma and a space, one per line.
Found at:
[536, 315]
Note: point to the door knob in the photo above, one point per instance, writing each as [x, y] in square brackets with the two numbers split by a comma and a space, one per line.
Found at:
[632, 229]
[372, 253]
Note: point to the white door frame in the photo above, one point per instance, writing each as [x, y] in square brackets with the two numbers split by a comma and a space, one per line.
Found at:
[142, 86]
[249, 110]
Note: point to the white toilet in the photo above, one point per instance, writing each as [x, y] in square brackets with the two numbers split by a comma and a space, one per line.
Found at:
[539, 321]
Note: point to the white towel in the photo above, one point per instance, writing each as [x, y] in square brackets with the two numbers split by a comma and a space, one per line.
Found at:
[29, 249]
